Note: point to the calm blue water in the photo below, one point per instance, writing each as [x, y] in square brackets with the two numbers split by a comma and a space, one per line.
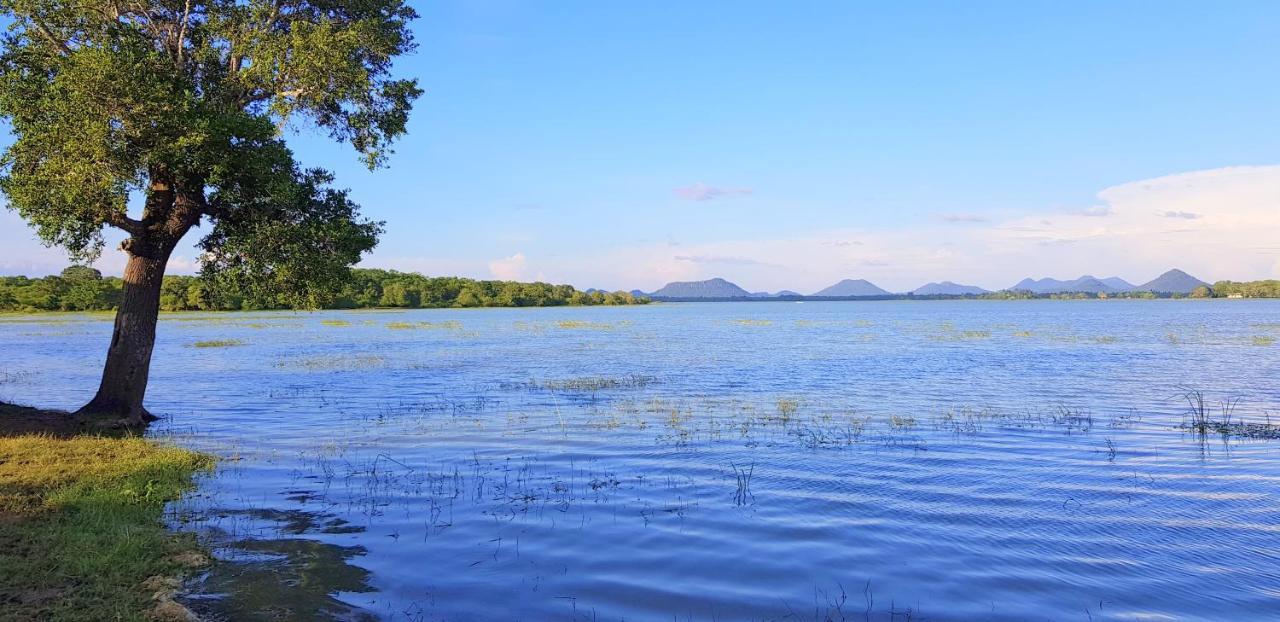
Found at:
[731, 461]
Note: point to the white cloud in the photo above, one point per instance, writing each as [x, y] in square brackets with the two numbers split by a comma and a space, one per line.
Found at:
[1238, 221]
[1233, 236]
[717, 259]
[513, 268]
[703, 192]
[960, 218]
[1095, 211]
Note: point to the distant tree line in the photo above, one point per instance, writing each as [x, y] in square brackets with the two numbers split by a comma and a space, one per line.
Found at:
[1022, 294]
[1221, 289]
[81, 288]
[1247, 289]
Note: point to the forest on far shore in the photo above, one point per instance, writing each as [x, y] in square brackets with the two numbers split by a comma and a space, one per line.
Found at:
[81, 288]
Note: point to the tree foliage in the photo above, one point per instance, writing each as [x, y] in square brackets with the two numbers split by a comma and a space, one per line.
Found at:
[80, 288]
[1247, 289]
[183, 101]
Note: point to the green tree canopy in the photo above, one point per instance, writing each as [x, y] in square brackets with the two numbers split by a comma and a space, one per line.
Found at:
[182, 102]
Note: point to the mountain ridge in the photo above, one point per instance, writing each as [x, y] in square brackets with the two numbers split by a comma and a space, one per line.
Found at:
[1173, 281]
[947, 288]
[853, 287]
[710, 288]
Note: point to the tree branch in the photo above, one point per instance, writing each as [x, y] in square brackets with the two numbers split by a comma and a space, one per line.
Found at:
[121, 220]
[48, 34]
[182, 32]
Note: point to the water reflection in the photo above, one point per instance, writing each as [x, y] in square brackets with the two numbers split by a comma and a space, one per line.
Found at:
[256, 576]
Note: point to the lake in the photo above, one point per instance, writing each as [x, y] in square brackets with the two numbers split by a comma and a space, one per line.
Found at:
[894, 460]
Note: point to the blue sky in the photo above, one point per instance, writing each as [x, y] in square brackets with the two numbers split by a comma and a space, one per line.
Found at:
[788, 145]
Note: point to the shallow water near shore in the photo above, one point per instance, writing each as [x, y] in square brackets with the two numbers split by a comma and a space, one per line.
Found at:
[894, 460]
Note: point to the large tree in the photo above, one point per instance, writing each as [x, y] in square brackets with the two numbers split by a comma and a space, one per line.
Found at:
[181, 104]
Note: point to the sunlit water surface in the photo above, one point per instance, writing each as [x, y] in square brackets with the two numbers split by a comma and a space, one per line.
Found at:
[756, 461]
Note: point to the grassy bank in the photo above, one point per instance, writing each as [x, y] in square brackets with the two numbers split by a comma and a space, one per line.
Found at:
[81, 535]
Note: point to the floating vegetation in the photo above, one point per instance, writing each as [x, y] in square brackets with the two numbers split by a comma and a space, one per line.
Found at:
[827, 431]
[1023, 333]
[336, 363]
[787, 407]
[583, 325]
[7, 377]
[218, 343]
[1104, 339]
[335, 323]
[1263, 340]
[40, 320]
[753, 322]
[964, 335]
[902, 423]
[596, 383]
[1201, 419]
[446, 325]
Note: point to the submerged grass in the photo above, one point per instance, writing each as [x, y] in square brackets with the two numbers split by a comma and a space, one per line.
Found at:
[1201, 419]
[447, 325]
[81, 536]
[218, 343]
[583, 325]
[596, 383]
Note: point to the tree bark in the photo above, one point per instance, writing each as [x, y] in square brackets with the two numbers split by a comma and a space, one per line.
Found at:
[124, 377]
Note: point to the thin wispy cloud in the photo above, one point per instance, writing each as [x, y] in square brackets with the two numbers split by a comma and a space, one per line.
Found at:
[1180, 214]
[703, 192]
[1095, 211]
[720, 259]
[964, 218]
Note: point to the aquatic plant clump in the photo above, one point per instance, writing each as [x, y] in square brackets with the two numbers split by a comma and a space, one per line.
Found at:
[218, 343]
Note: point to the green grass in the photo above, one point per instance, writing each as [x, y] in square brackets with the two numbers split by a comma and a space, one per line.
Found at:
[80, 525]
[218, 343]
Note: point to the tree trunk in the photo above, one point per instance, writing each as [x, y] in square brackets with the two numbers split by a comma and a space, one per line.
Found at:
[124, 377]
[169, 213]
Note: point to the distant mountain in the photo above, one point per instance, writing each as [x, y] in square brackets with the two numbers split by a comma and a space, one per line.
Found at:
[852, 287]
[1085, 283]
[760, 295]
[636, 292]
[1118, 283]
[712, 288]
[787, 292]
[947, 288]
[1174, 281]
